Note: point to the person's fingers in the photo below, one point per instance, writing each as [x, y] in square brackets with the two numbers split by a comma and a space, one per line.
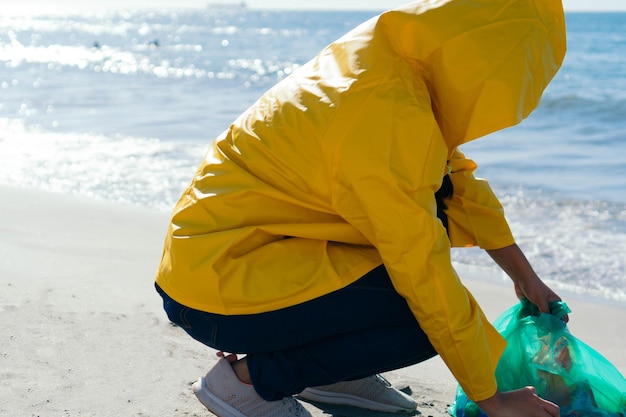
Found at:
[552, 409]
[544, 305]
[549, 407]
[557, 298]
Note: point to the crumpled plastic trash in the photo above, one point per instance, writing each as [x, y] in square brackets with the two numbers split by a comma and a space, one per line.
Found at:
[542, 353]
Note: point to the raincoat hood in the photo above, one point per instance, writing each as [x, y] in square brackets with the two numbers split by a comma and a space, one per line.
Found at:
[485, 71]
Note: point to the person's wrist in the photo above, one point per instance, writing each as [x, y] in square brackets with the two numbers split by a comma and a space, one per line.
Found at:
[491, 404]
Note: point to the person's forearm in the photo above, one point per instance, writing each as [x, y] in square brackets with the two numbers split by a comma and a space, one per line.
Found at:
[528, 285]
[512, 261]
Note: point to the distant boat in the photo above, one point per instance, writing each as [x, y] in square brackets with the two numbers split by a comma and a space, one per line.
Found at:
[227, 5]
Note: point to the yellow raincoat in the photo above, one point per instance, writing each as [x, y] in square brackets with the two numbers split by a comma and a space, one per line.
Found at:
[333, 172]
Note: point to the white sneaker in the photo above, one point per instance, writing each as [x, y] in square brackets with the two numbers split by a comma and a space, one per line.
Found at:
[223, 394]
[371, 393]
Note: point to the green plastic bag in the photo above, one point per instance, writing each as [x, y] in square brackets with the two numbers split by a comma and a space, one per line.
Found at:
[542, 353]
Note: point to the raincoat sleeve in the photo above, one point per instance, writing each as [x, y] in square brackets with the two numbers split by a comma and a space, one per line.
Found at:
[475, 216]
[385, 189]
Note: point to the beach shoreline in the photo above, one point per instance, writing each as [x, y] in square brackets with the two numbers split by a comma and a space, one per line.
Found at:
[84, 333]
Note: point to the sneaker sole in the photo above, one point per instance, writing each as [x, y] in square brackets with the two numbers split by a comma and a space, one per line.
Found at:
[212, 402]
[327, 397]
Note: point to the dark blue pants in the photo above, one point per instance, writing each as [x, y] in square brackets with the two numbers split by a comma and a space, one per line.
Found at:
[360, 330]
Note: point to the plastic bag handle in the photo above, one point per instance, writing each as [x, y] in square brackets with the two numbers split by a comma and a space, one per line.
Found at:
[558, 309]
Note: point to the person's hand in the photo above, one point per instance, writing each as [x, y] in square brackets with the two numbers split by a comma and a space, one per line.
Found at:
[532, 288]
[523, 402]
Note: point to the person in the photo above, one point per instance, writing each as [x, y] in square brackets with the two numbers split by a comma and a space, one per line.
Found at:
[309, 242]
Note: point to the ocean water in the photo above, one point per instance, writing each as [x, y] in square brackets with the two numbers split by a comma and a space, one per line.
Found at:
[120, 106]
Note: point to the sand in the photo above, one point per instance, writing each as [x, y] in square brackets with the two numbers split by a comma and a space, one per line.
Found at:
[83, 332]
